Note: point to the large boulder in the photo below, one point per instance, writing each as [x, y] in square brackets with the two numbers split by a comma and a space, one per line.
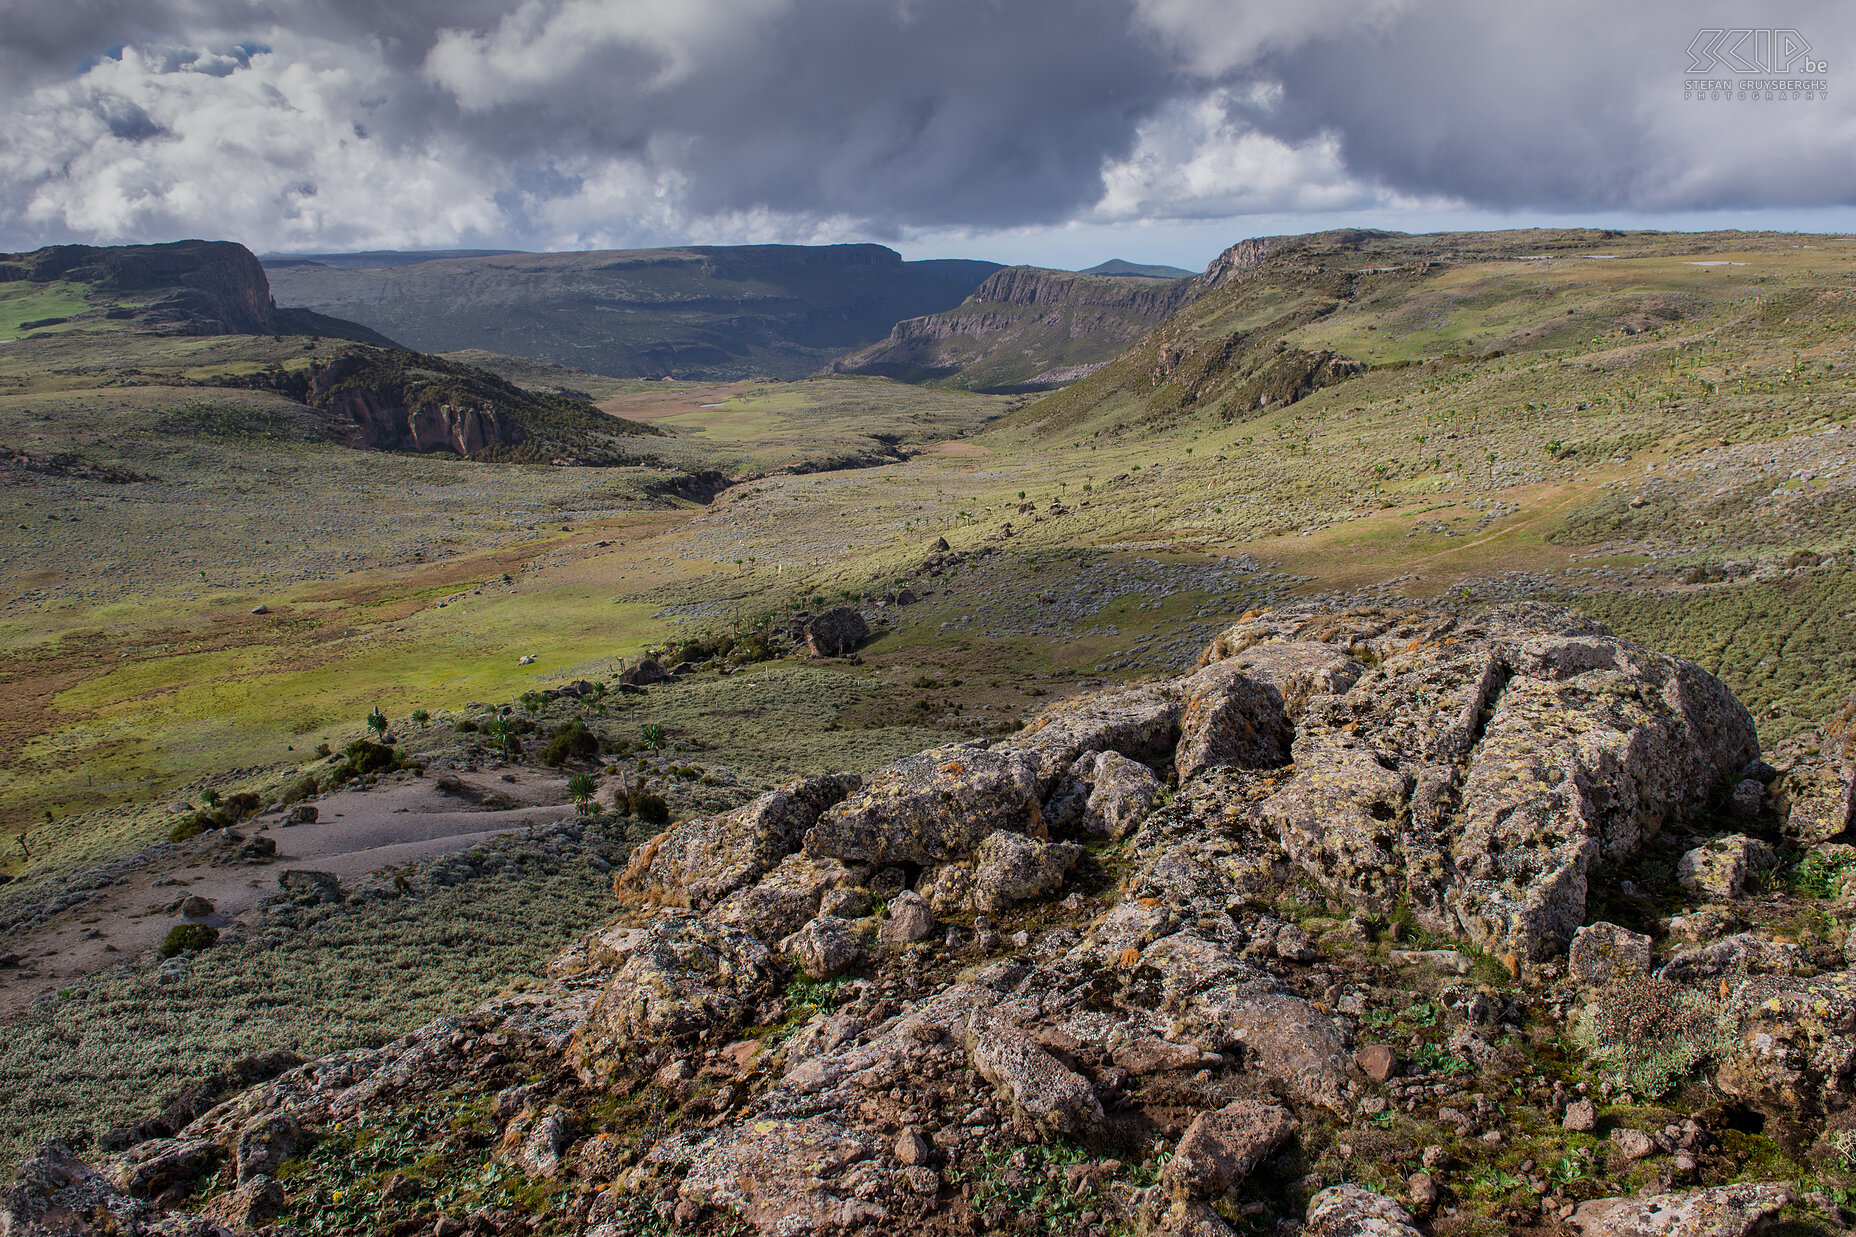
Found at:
[1241, 708]
[686, 974]
[700, 862]
[1141, 723]
[930, 808]
[1724, 1211]
[1010, 868]
[1480, 768]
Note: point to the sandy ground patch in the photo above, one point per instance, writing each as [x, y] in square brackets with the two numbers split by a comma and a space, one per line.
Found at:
[357, 833]
[955, 450]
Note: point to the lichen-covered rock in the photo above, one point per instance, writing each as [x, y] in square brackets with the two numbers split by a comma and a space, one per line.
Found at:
[1010, 868]
[1724, 1211]
[687, 974]
[1032, 1082]
[1241, 709]
[1796, 1042]
[824, 948]
[1141, 723]
[780, 903]
[1481, 767]
[908, 919]
[1349, 1211]
[1219, 1149]
[254, 1202]
[700, 862]
[1817, 799]
[58, 1195]
[930, 808]
[264, 1143]
[811, 1175]
[1719, 868]
[541, 1151]
[1603, 953]
[1120, 794]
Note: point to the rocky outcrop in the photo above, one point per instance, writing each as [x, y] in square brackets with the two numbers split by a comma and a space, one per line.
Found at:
[1171, 916]
[385, 426]
[1025, 328]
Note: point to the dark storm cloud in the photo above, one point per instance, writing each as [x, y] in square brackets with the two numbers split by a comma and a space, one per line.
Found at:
[568, 121]
[1566, 106]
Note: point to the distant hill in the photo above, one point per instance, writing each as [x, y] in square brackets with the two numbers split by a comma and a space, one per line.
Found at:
[182, 288]
[1282, 319]
[370, 259]
[1115, 266]
[705, 312]
[1025, 329]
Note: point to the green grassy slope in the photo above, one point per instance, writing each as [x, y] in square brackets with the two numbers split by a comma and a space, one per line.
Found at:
[700, 312]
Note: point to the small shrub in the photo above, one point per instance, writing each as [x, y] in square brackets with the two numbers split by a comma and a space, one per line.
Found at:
[192, 827]
[648, 806]
[188, 938]
[302, 788]
[420, 717]
[377, 722]
[1651, 1034]
[654, 736]
[570, 741]
[580, 788]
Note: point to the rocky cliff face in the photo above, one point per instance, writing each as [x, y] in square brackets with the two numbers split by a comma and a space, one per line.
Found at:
[187, 287]
[391, 415]
[1024, 327]
[1174, 956]
[388, 425]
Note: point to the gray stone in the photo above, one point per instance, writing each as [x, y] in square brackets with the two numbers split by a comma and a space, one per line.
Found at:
[930, 808]
[1581, 1117]
[1719, 868]
[825, 948]
[1121, 794]
[1349, 1211]
[1604, 953]
[1633, 1144]
[686, 974]
[1032, 1082]
[1009, 868]
[700, 862]
[1724, 1211]
[909, 918]
[264, 1143]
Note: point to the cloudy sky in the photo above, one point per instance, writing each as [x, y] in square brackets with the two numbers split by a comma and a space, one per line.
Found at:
[1054, 131]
